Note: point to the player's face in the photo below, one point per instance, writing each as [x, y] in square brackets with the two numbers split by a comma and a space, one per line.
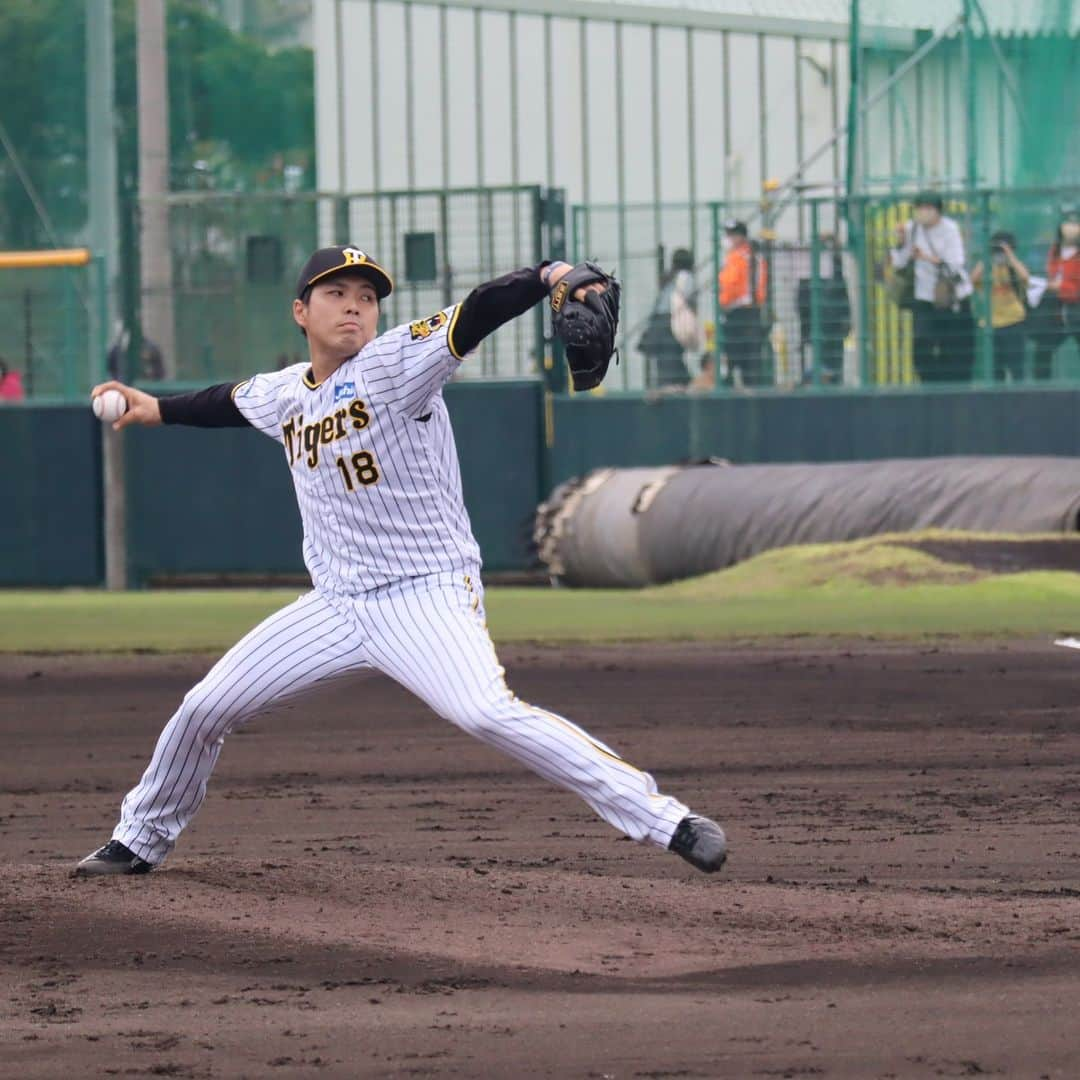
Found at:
[341, 315]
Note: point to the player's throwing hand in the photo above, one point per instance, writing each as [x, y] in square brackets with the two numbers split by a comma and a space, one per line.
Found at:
[142, 408]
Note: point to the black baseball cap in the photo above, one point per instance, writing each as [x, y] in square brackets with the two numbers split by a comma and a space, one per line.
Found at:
[332, 260]
[733, 226]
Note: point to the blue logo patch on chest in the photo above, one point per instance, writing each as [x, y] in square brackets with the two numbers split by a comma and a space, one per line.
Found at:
[344, 390]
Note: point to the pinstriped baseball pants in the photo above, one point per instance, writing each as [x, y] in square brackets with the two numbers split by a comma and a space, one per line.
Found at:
[429, 635]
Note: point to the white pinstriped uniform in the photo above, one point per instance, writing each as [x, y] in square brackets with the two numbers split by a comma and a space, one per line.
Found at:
[395, 570]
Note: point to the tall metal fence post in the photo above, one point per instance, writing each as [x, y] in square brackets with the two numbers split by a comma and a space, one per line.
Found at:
[100, 282]
[971, 102]
[718, 322]
[446, 275]
[342, 233]
[865, 279]
[815, 293]
[986, 256]
[71, 337]
[549, 237]
[28, 339]
[552, 216]
[577, 233]
[155, 251]
[101, 131]
[113, 471]
[115, 508]
[854, 133]
[773, 373]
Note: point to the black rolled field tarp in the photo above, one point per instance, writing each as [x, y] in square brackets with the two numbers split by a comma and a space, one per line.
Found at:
[634, 527]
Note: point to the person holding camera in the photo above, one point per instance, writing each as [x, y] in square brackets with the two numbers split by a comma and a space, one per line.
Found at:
[1009, 279]
[944, 333]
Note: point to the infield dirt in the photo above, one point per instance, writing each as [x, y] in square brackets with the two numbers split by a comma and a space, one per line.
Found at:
[368, 892]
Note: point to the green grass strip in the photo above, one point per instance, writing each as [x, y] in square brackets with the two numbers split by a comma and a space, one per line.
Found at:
[1016, 605]
[71, 620]
[877, 587]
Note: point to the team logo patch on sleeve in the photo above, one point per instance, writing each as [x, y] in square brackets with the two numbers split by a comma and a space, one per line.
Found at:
[424, 328]
[344, 390]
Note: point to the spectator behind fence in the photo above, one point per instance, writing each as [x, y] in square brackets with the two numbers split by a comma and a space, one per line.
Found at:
[743, 284]
[1057, 318]
[673, 326]
[835, 318]
[944, 337]
[1009, 279]
[11, 385]
[686, 322]
[151, 364]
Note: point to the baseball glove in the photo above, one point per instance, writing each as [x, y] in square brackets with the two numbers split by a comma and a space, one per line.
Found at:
[586, 327]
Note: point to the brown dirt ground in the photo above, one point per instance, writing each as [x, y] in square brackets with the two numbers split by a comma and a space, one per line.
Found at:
[368, 892]
[1005, 556]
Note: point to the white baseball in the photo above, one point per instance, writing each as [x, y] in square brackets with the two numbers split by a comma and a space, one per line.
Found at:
[109, 405]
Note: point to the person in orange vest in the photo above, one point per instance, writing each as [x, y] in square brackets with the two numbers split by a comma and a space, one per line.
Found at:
[744, 283]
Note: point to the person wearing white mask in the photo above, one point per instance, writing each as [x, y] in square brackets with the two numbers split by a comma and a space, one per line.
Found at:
[743, 291]
[944, 332]
[1058, 316]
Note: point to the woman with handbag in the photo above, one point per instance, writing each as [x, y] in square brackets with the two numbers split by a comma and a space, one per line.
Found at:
[673, 326]
[944, 332]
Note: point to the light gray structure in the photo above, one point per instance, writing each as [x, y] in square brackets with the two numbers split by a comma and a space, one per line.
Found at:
[612, 102]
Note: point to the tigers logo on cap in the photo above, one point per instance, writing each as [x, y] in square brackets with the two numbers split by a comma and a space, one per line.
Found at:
[332, 260]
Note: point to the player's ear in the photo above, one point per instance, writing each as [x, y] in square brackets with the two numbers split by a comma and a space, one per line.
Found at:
[300, 314]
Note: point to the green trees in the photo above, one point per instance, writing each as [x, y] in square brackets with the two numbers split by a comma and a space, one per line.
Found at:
[239, 115]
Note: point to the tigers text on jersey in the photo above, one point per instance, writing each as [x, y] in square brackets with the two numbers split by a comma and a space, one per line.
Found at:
[373, 459]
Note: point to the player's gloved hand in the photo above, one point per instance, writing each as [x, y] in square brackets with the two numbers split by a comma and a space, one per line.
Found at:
[585, 318]
[142, 408]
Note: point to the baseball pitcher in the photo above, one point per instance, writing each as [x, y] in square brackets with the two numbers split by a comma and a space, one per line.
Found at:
[394, 566]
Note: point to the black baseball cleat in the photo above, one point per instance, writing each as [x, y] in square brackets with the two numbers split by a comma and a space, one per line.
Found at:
[700, 842]
[113, 858]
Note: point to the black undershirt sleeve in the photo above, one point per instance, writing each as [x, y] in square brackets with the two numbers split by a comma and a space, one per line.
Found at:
[212, 407]
[490, 305]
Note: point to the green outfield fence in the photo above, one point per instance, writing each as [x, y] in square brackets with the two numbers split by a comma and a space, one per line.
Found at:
[216, 505]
